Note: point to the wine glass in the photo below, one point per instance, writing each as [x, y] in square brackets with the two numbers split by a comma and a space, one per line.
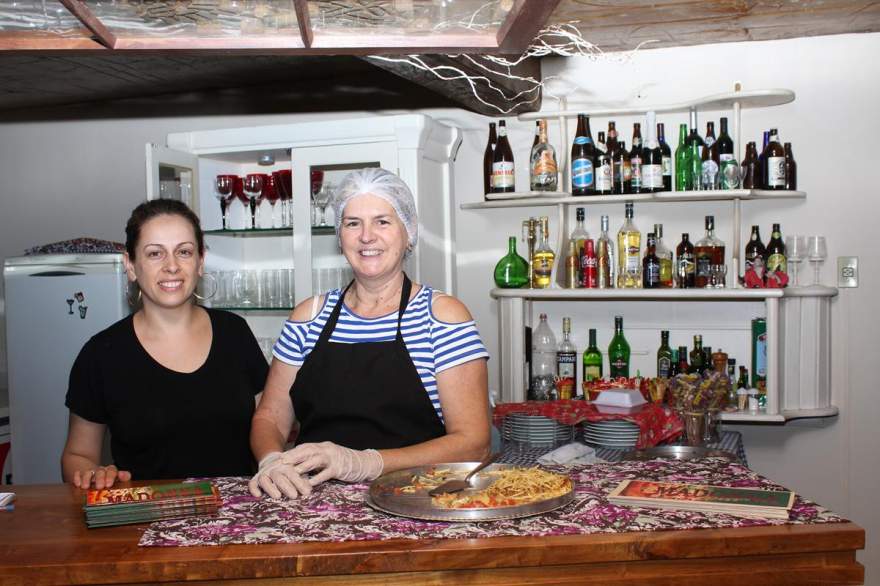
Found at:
[816, 253]
[238, 193]
[322, 199]
[795, 248]
[225, 185]
[284, 183]
[317, 181]
[253, 186]
[270, 194]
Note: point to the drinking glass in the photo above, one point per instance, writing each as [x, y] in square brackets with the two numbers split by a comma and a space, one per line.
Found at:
[816, 253]
[317, 181]
[284, 182]
[322, 199]
[270, 194]
[247, 288]
[253, 187]
[225, 185]
[795, 248]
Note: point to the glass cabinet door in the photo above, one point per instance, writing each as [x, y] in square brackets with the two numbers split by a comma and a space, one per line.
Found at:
[317, 171]
[172, 174]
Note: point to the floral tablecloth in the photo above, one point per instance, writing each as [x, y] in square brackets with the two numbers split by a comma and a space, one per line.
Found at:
[657, 423]
[336, 511]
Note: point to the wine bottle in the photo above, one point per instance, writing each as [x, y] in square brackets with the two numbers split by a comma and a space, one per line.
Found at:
[696, 361]
[604, 170]
[755, 250]
[652, 160]
[512, 271]
[592, 360]
[583, 159]
[776, 259]
[635, 161]
[664, 356]
[622, 170]
[666, 161]
[618, 351]
[709, 159]
[502, 163]
[685, 265]
[728, 169]
[683, 366]
[488, 157]
[695, 153]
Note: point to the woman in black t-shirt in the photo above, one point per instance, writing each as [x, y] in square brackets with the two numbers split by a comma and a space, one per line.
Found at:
[175, 383]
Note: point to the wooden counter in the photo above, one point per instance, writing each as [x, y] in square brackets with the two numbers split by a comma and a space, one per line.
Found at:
[45, 541]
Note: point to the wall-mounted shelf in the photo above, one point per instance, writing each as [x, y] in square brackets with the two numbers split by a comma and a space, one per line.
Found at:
[639, 294]
[529, 199]
[257, 232]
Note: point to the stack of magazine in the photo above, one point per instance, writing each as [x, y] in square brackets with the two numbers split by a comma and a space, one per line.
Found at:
[144, 504]
[741, 502]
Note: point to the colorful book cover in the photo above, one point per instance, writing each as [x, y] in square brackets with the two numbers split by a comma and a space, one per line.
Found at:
[150, 493]
[671, 492]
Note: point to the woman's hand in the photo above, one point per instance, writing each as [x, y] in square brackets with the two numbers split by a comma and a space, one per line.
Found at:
[102, 477]
[277, 476]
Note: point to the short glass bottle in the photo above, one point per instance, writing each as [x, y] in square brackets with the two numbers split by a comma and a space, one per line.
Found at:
[512, 271]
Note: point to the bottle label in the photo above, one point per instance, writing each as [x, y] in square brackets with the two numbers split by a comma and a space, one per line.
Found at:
[592, 372]
[627, 171]
[710, 174]
[542, 268]
[777, 263]
[775, 171]
[502, 174]
[589, 270]
[761, 356]
[582, 173]
[664, 366]
[619, 367]
[666, 164]
[582, 140]
[652, 176]
[724, 157]
[603, 177]
[666, 272]
[729, 173]
[652, 274]
[632, 259]
[544, 163]
[704, 261]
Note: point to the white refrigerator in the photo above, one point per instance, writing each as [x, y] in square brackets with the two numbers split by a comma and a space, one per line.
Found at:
[54, 304]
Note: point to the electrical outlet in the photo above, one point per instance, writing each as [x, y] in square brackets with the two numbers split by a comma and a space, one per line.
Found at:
[847, 271]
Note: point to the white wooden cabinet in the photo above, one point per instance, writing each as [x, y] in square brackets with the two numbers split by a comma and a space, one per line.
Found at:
[798, 319]
[415, 147]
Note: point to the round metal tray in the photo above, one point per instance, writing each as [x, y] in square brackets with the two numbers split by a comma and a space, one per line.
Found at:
[419, 505]
[679, 453]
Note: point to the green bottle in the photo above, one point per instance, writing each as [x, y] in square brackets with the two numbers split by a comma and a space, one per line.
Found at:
[592, 360]
[618, 351]
[697, 364]
[683, 180]
[665, 358]
[512, 271]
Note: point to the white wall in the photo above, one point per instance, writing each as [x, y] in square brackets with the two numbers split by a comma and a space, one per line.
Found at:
[69, 179]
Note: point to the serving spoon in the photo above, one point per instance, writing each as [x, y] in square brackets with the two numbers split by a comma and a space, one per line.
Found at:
[457, 485]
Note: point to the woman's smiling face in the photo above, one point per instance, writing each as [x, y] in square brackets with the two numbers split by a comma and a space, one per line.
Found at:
[373, 239]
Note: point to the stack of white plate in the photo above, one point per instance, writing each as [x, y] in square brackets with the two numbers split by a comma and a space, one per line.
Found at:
[536, 431]
[615, 433]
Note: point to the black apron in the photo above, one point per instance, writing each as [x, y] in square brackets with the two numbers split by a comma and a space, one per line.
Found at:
[364, 395]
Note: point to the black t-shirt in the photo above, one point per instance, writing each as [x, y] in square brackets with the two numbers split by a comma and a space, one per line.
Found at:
[167, 424]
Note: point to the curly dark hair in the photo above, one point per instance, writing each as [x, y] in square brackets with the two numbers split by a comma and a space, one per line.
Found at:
[159, 207]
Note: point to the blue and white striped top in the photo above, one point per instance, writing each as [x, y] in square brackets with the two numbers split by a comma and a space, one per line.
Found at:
[433, 345]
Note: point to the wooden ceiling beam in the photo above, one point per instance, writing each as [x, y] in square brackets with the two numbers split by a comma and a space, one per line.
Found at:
[91, 22]
[304, 22]
[523, 23]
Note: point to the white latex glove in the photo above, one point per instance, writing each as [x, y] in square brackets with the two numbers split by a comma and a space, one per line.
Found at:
[335, 461]
[277, 476]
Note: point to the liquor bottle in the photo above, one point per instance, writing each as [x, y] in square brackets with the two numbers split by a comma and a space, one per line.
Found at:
[666, 163]
[488, 157]
[589, 266]
[583, 159]
[673, 368]
[664, 356]
[566, 359]
[683, 178]
[751, 168]
[685, 265]
[708, 251]
[651, 265]
[618, 351]
[604, 170]
[697, 356]
[774, 163]
[629, 242]
[695, 145]
[665, 256]
[790, 169]
[731, 382]
[572, 264]
[755, 249]
[543, 173]
[709, 157]
[652, 160]
[543, 383]
[512, 271]
[600, 142]
[728, 169]
[762, 162]
[592, 360]
[719, 361]
[635, 160]
[707, 359]
[531, 227]
[579, 235]
[605, 262]
[776, 259]
[542, 260]
[621, 170]
[537, 137]
[683, 366]
[502, 163]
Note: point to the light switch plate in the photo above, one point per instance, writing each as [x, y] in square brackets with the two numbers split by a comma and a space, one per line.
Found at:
[847, 271]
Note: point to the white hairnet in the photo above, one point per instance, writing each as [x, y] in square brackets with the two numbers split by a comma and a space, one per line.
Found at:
[383, 184]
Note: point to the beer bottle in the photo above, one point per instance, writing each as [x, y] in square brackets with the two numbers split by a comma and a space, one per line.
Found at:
[600, 142]
[751, 168]
[762, 160]
[776, 259]
[755, 249]
[583, 159]
[635, 161]
[774, 163]
[666, 157]
[790, 169]
[488, 157]
[502, 163]
[685, 266]
[651, 265]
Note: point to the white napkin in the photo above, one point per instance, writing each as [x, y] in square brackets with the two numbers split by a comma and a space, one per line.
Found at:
[569, 454]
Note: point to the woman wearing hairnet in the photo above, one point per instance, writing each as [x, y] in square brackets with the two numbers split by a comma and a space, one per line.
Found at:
[384, 375]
